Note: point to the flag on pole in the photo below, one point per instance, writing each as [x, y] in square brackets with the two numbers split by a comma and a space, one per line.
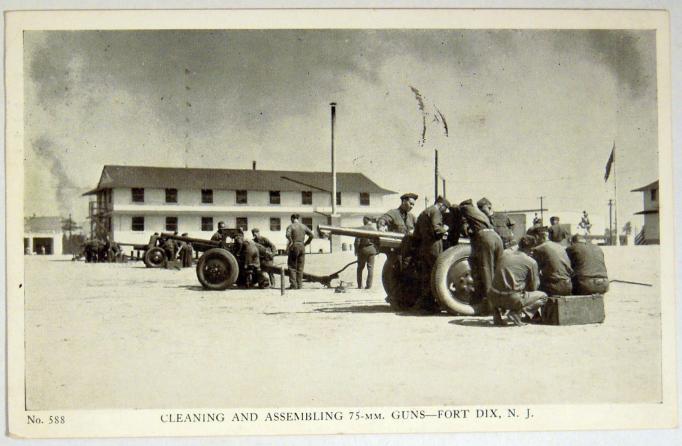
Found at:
[609, 163]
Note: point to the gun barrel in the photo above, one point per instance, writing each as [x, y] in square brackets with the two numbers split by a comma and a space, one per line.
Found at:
[189, 239]
[364, 233]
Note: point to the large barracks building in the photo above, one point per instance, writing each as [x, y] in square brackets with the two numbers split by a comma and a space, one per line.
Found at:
[133, 202]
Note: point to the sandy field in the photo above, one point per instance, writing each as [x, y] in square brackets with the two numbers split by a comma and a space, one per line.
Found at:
[123, 336]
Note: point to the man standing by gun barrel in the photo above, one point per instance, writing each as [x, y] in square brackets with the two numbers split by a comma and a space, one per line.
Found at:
[296, 233]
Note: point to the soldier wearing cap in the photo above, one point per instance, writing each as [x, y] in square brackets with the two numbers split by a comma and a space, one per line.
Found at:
[366, 251]
[429, 233]
[400, 219]
[220, 234]
[296, 233]
[486, 249]
[502, 224]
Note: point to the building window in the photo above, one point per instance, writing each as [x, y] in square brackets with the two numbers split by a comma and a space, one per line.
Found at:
[306, 197]
[274, 197]
[243, 222]
[242, 197]
[338, 198]
[138, 195]
[653, 194]
[171, 195]
[138, 224]
[207, 223]
[364, 199]
[171, 224]
[275, 224]
[207, 196]
[308, 221]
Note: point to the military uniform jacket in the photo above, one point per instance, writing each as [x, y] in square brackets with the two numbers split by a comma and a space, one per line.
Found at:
[264, 241]
[398, 221]
[557, 233]
[361, 242]
[587, 260]
[516, 271]
[553, 261]
[430, 226]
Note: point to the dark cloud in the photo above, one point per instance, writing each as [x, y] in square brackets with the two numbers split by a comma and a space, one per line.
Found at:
[49, 153]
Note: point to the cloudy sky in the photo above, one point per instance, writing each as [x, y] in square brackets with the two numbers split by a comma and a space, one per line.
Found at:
[529, 113]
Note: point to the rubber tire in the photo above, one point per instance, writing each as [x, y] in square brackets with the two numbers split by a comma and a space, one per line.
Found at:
[151, 252]
[229, 263]
[439, 281]
[402, 294]
[389, 279]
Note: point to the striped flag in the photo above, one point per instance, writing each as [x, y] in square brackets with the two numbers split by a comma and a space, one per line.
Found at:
[609, 163]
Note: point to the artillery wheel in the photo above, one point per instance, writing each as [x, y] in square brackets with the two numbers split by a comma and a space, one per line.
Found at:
[217, 269]
[402, 294]
[451, 281]
[154, 257]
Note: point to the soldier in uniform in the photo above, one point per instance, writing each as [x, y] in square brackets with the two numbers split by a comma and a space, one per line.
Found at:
[502, 224]
[220, 234]
[486, 248]
[555, 267]
[556, 232]
[429, 233]
[270, 248]
[366, 251]
[296, 233]
[400, 219]
[589, 268]
[185, 252]
[515, 284]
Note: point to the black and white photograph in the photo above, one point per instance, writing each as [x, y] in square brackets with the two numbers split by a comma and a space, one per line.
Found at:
[339, 222]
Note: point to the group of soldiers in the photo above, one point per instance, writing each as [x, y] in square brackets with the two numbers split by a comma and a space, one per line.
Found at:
[257, 255]
[510, 277]
[175, 250]
[96, 250]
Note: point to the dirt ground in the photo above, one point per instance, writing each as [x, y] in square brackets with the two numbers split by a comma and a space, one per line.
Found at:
[124, 336]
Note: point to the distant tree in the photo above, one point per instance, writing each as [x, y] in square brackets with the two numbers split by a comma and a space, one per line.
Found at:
[627, 228]
[68, 225]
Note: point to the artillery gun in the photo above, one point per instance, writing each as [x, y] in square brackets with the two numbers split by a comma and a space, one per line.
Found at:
[222, 263]
[451, 280]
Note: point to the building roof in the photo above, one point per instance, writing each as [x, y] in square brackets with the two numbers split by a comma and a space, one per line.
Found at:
[42, 224]
[653, 185]
[232, 179]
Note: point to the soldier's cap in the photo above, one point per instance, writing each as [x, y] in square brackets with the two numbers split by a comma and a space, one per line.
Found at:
[467, 202]
[184, 234]
[255, 230]
[554, 218]
[221, 225]
[483, 202]
[408, 196]
[443, 200]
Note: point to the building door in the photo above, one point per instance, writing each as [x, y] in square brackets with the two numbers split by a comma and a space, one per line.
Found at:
[42, 245]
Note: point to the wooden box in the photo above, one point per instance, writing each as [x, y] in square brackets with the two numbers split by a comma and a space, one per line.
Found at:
[574, 310]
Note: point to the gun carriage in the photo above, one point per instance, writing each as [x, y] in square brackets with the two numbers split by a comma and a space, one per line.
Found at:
[451, 280]
[223, 263]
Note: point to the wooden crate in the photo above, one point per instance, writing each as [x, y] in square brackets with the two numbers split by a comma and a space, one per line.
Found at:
[574, 310]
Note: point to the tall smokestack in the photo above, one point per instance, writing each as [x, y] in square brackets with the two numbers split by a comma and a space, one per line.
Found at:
[333, 105]
[254, 165]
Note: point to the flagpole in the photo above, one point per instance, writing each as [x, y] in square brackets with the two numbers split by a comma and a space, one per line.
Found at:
[615, 194]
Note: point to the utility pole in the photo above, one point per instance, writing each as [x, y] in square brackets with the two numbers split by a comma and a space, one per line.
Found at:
[333, 105]
[444, 189]
[542, 218]
[435, 176]
[610, 222]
